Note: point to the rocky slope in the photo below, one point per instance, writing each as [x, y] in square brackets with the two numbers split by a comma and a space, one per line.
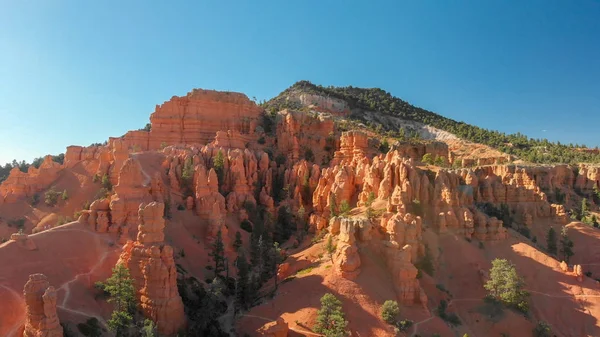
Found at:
[214, 163]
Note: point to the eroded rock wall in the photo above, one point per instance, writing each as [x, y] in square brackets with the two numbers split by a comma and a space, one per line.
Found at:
[151, 264]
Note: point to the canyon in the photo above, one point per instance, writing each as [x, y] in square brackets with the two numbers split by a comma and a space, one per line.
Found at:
[158, 201]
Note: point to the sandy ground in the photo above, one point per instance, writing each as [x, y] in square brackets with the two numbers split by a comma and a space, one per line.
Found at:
[72, 257]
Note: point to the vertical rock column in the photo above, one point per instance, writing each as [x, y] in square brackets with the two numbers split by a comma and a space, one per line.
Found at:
[40, 301]
[152, 267]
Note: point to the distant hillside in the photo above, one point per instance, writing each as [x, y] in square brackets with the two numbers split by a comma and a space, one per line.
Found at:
[378, 100]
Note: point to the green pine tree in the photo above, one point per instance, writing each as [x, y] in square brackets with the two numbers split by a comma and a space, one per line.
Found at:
[238, 241]
[551, 241]
[330, 318]
[330, 247]
[122, 294]
[506, 285]
[242, 290]
[566, 245]
[218, 254]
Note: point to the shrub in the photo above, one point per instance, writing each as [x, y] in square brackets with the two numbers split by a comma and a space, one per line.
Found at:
[64, 195]
[261, 140]
[106, 182]
[542, 329]
[390, 311]
[384, 147]
[180, 207]
[425, 263]
[35, 199]
[452, 318]
[427, 159]
[404, 324]
[280, 159]
[51, 197]
[309, 155]
[91, 328]
[344, 207]
[95, 179]
[370, 199]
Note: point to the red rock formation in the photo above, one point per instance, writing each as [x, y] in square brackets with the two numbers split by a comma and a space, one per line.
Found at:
[153, 269]
[353, 144]
[23, 240]
[133, 188]
[196, 118]
[416, 151]
[299, 131]
[40, 300]
[19, 184]
[278, 328]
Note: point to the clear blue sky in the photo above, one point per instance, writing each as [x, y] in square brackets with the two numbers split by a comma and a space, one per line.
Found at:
[77, 72]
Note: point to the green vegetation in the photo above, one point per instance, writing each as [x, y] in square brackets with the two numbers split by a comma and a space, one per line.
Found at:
[425, 262]
[551, 241]
[566, 245]
[219, 166]
[345, 208]
[427, 159]
[542, 329]
[218, 254]
[330, 247]
[305, 271]
[238, 241]
[378, 100]
[106, 184]
[65, 195]
[187, 177]
[149, 329]
[23, 166]
[121, 291]
[51, 197]
[390, 311]
[451, 318]
[384, 146]
[91, 328]
[506, 286]
[330, 318]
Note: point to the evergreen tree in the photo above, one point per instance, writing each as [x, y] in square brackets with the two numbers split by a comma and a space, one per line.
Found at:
[242, 290]
[219, 166]
[277, 259]
[506, 285]
[122, 293]
[551, 241]
[390, 311]
[330, 318]
[218, 254]
[238, 241]
[187, 176]
[566, 245]
[330, 247]
[584, 208]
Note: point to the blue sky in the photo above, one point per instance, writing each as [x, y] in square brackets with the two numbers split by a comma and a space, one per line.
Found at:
[77, 72]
